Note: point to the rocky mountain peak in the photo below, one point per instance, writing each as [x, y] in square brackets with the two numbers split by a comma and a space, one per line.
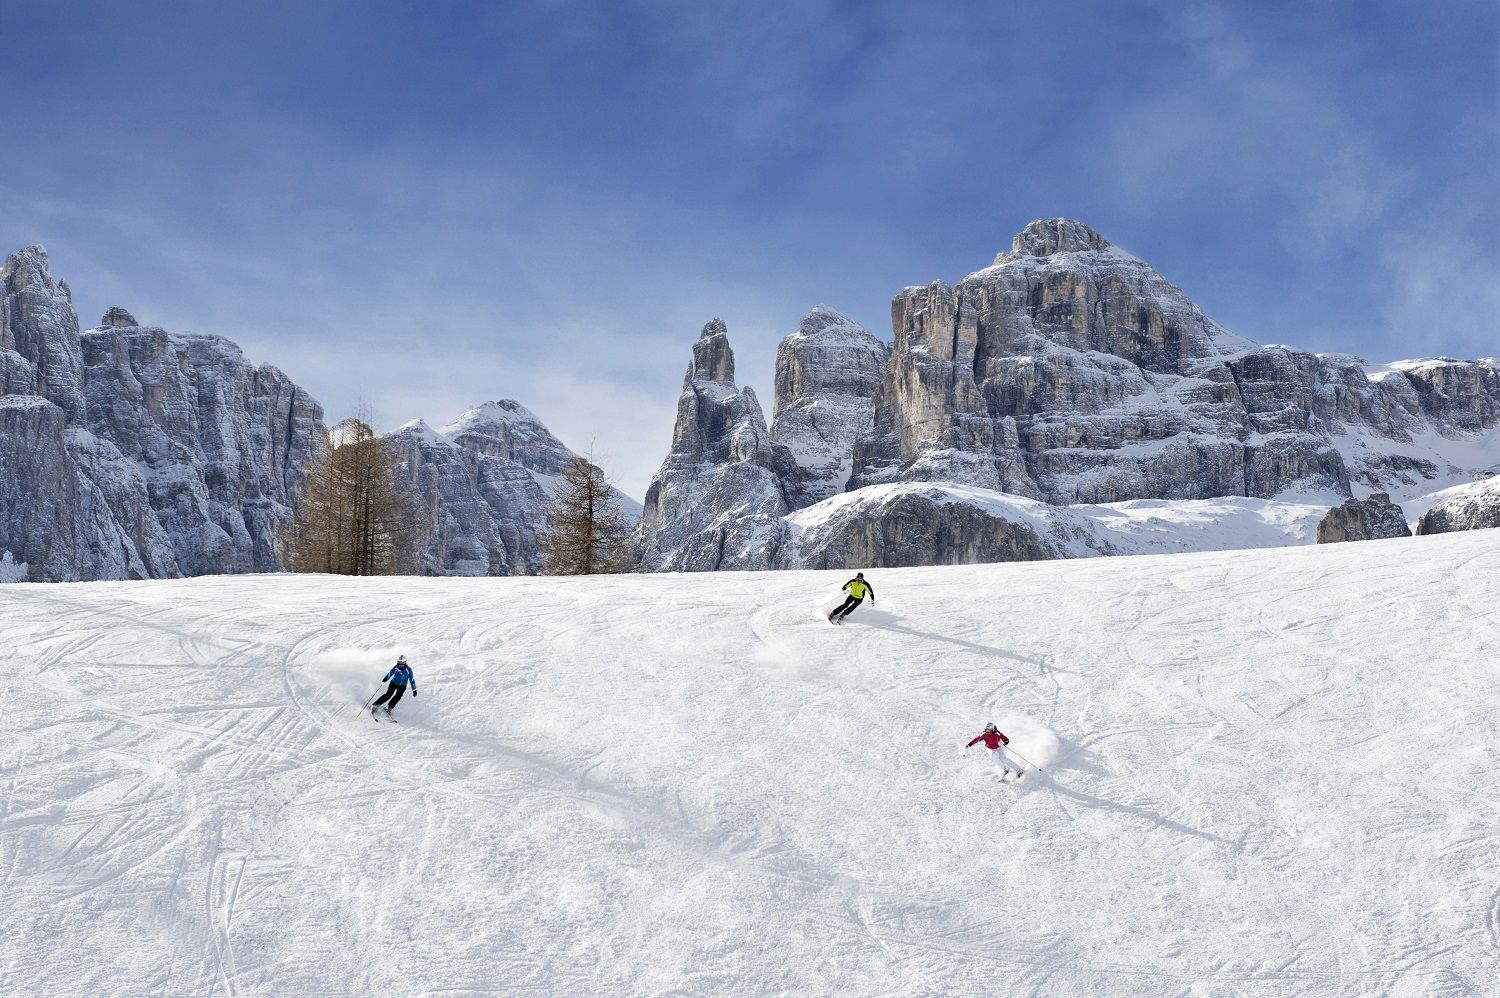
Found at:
[500, 415]
[27, 265]
[716, 501]
[118, 318]
[713, 360]
[1047, 236]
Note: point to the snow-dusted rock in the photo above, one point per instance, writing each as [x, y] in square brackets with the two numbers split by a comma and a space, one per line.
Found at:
[462, 537]
[909, 523]
[222, 443]
[166, 454]
[1471, 507]
[37, 322]
[486, 480]
[827, 374]
[17, 376]
[39, 523]
[1071, 371]
[1369, 519]
[717, 501]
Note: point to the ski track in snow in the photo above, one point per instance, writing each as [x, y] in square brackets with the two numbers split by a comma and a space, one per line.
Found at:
[1266, 773]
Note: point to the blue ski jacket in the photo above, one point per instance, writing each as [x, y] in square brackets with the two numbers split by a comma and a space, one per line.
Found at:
[401, 675]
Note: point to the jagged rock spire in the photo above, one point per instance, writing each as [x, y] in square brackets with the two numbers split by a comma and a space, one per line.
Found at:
[713, 360]
[716, 502]
[37, 321]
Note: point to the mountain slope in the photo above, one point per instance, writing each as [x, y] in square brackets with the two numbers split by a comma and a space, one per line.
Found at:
[486, 480]
[1268, 773]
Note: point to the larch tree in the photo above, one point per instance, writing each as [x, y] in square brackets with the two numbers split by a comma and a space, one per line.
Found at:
[355, 516]
[585, 533]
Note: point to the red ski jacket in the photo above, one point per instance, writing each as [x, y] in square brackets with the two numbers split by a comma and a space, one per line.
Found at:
[991, 739]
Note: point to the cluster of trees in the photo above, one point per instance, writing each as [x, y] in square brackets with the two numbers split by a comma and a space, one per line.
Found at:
[358, 515]
[355, 515]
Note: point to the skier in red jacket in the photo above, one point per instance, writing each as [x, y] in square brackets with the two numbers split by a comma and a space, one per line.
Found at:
[994, 739]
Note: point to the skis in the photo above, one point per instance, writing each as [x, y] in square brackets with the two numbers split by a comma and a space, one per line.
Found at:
[374, 716]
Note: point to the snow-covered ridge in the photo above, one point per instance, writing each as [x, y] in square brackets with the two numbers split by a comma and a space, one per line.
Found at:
[505, 413]
[1001, 527]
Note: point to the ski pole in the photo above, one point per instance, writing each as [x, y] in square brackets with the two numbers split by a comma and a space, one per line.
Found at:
[1022, 757]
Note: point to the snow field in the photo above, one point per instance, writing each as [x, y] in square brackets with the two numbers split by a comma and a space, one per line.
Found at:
[1268, 773]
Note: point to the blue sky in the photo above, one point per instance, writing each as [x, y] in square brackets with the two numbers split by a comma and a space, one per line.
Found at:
[428, 205]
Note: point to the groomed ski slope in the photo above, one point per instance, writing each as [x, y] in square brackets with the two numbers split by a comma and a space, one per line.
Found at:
[1268, 773]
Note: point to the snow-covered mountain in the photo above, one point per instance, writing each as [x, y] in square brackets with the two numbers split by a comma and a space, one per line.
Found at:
[1072, 373]
[128, 452]
[1267, 774]
[486, 479]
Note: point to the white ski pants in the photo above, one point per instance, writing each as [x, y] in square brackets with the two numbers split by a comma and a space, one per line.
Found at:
[1003, 759]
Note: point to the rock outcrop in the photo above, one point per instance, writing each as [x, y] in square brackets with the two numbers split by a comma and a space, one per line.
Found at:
[717, 501]
[1471, 507]
[486, 479]
[1071, 371]
[827, 374]
[131, 452]
[897, 526]
[1369, 519]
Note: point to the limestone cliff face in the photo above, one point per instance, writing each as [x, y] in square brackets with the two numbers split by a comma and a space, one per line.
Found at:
[827, 375]
[717, 501]
[143, 453]
[1071, 371]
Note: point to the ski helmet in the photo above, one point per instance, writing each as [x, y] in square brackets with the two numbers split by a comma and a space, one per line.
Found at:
[859, 575]
[990, 726]
[401, 658]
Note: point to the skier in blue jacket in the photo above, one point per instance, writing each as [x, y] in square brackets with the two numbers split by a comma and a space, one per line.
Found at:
[399, 676]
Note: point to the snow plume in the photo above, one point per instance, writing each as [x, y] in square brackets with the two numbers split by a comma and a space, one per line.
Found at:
[352, 672]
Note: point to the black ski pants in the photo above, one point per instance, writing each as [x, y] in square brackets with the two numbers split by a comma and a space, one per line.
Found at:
[394, 695]
[847, 607]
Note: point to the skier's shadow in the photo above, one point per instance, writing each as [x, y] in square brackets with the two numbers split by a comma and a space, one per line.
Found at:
[1082, 761]
[891, 622]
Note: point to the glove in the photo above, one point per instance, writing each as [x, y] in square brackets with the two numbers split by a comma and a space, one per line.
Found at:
[413, 692]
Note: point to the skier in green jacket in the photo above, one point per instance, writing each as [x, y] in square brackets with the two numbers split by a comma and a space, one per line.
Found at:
[858, 589]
